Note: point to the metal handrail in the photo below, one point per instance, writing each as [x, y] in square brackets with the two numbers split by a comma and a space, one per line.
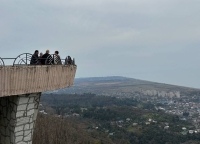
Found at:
[27, 58]
[23, 59]
[1, 62]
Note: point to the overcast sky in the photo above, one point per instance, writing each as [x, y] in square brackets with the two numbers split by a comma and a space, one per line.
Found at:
[156, 40]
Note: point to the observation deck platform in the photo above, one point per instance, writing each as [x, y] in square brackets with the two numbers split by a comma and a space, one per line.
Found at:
[16, 80]
[21, 85]
[23, 78]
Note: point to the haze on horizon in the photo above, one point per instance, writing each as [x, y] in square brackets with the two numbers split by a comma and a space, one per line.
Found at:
[149, 40]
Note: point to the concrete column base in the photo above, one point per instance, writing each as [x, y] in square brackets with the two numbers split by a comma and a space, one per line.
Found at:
[17, 118]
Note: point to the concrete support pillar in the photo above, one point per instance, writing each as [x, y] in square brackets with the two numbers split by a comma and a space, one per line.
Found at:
[17, 118]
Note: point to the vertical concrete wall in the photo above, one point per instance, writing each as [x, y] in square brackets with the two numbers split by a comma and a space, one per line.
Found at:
[17, 80]
[17, 118]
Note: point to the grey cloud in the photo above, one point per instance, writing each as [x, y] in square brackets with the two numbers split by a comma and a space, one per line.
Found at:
[153, 40]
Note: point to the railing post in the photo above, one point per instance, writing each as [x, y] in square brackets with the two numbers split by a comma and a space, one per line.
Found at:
[26, 58]
[73, 61]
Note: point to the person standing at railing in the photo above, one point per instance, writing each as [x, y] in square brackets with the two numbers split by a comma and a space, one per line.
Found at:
[46, 58]
[41, 54]
[57, 60]
[69, 60]
[40, 58]
[34, 58]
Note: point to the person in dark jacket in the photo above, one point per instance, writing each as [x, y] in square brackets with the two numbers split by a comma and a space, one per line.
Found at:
[41, 54]
[34, 58]
[69, 60]
[46, 58]
[40, 58]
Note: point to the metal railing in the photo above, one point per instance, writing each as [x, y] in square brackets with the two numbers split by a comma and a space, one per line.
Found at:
[1, 62]
[30, 59]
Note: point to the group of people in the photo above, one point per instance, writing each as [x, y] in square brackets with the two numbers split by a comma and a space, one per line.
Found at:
[46, 58]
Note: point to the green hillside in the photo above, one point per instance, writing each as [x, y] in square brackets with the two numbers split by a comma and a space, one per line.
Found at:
[91, 119]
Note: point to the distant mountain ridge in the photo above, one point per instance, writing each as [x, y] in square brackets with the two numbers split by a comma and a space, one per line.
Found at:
[101, 78]
[119, 85]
